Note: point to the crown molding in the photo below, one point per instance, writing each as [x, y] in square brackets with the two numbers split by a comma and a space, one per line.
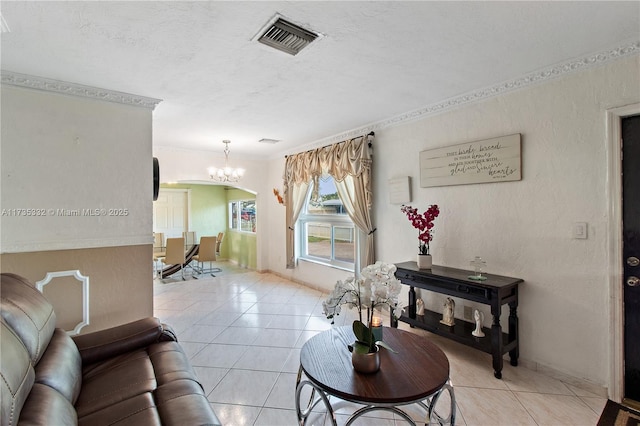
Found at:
[63, 87]
[546, 74]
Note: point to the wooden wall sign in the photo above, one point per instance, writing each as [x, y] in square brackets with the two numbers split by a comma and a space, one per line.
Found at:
[489, 160]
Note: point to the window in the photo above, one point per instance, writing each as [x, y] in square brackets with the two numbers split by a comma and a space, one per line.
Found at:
[242, 215]
[326, 233]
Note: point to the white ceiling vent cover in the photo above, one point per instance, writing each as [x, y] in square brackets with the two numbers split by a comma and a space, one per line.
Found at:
[287, 37]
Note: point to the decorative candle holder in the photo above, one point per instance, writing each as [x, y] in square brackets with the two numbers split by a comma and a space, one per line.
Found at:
[478, 264]
[376, 328]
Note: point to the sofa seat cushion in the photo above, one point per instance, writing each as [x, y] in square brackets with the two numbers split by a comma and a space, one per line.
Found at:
[182, 402]
[135, 411]
[178, 403]
[152, 386]
[114, 380]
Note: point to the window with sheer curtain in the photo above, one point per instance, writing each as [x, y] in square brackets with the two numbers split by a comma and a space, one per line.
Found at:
[326, 233]
[349, 165]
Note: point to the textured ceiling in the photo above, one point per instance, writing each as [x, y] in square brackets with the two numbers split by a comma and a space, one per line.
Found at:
[375, 60]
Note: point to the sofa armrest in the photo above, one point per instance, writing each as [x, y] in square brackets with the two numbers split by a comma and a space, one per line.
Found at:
[120, 339]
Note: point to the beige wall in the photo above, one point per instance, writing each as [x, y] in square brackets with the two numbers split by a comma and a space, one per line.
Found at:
[62, 154]
[119, 280]
[85, 164]
[522, 229]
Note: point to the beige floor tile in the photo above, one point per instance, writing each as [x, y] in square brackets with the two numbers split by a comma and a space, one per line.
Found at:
[282, 394]
[235, 306]
[204, 306]
[220, 318]
[220, 356]
[277, 416]
[482, 407]
[253, 320]
[210, 377]
[200, 333]
[238, 336]
[221, 322]
[236, 415]
[289, 322]
[595, 403]
[292, 363]
[342, 419]
[519, 379]
[278, 337]
[267, 308]
[474, 372]
[318, 324]
[557, 410]
[244, 387]
[585, 392]
[192, 348]
[263, 358]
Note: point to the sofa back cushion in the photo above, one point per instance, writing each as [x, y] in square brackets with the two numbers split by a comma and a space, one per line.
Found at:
[28, 313]
[46, 406]
[61, 367]
[17, 376]
[40, 365]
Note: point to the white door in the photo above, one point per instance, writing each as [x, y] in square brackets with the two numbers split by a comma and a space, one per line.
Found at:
[171, 212]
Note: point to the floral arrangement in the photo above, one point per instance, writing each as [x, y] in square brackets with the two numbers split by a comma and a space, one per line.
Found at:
[377, 289]
[423, 223]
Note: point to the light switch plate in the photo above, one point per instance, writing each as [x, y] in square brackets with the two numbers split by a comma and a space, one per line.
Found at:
[580, 231]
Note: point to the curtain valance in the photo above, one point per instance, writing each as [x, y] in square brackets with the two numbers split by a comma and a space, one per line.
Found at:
[348, 158]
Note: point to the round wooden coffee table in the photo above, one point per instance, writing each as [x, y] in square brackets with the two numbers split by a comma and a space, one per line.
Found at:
[418, 373]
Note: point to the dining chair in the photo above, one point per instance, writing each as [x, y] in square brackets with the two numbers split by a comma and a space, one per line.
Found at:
[158, 250]
[175, 254]
[189, 239]
[206, 253]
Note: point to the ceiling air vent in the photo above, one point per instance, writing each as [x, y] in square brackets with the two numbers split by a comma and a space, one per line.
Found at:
[287, 37]
[269, 141]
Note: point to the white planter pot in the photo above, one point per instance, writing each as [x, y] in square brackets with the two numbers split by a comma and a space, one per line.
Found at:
[424, 261]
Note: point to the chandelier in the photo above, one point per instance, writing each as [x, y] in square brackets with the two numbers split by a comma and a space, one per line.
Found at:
[226, 174]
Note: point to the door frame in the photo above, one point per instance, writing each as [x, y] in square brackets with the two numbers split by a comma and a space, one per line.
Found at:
[615, 257]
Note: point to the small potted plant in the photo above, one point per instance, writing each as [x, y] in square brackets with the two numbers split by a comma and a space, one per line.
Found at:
[376, 289]
[424, 224]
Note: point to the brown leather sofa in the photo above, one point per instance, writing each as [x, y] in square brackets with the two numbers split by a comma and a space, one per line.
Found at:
[133, 374]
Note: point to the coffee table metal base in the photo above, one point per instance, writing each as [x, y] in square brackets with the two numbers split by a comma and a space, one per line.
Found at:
[428, 404]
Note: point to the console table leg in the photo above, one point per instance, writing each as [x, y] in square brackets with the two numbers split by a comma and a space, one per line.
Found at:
[513, 332]
[496, 341]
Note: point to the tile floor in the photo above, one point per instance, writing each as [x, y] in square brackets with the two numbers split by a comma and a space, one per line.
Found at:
[243, 332]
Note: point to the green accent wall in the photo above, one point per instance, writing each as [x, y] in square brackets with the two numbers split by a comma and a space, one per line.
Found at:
[242, 246]
[210, 215]
[208, 210]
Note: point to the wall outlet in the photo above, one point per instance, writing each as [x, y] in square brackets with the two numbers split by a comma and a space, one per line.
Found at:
[580, 231]
[468, 312]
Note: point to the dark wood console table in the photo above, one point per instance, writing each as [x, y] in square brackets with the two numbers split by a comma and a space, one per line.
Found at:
[495, 291]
